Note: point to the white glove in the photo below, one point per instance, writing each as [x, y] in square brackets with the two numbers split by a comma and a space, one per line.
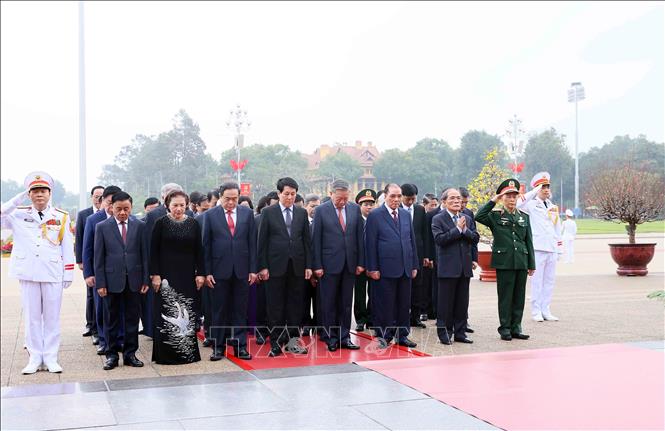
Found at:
[19, 198]
[66, 284]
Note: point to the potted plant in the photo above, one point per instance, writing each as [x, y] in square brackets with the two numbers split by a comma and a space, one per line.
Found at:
[481, 190]
[631, 196]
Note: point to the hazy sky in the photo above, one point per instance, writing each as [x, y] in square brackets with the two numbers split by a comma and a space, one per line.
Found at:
[319, 73]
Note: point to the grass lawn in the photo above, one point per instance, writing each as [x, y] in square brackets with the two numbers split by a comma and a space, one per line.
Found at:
[587, 226]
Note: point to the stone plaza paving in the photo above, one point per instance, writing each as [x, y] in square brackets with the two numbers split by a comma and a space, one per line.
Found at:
[596, 307]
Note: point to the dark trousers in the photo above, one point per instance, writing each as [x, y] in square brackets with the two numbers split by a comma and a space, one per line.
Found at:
[361, 306]
[511, 289]
[102, 319]
[453, 303]
[114, 303]
[147, 304]
[310, 317]
[434, 291]
[427, 292]
[90, 321]
[229, 312]
[261, 328]
[206, 307]
[417, 296]
[336, 293]
[391, 300]
[284, 299]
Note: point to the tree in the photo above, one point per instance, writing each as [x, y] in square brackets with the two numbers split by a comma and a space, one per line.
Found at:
[640, 153]
[393, 166]
[483, 188]
[10, 188]
[468, 157]
[628, 195]
[178, 156]
[340, 165]
[547, 151]
[266, 164]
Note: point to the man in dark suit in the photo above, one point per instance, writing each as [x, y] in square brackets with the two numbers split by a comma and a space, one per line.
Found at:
[121, 272]
[310, 311]
[88, 257]
[147, 300]
[338, 258]
[392, 262]
[229, 247]
[284, 260]
[419, 220]
[454, 241]
[90, 324]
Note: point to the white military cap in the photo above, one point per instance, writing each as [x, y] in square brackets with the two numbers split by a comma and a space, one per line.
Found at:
[38, 179]
[569, 212]
[541, 178]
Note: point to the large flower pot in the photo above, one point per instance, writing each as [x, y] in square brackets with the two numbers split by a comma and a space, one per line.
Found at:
[487, 273]
[632, 258]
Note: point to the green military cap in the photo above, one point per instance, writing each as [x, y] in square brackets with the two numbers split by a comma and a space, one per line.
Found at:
[366, 195]
[511, 185]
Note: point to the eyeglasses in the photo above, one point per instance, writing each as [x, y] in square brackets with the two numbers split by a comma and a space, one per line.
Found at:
[454, 198]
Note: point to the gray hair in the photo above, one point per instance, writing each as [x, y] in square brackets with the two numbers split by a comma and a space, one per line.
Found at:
[170, 187]
[339, 185]
[444, 195]
[311, 197]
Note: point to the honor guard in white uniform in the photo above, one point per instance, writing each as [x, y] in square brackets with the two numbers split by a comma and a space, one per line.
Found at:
[569, 232]
[43, 261]
[547, 243]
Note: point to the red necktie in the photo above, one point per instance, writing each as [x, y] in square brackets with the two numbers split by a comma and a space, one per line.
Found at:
[229, 220]
[341, 220]
[124, 232]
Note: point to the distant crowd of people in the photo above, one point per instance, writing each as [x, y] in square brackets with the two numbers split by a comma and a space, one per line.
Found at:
[191, 261]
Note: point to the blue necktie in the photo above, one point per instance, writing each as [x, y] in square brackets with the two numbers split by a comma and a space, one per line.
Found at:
[288, 220]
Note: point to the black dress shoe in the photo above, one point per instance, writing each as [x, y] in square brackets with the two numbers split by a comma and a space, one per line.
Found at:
[383, 343]
[423, 317]
[469, 330]
[360, 328]
[275, 351]
[207, 342]
[132, 361]
[332, 347]
[407, 343]
[141, 332]
[95, 340]
[110, 363]
[87, 333]
[464, 340]
[350, 346]
[418, 324]
[506, 337]
[520, 336]
[216, 355]
[242, 353]
[445, 341]
[101, 350]
[260, 340]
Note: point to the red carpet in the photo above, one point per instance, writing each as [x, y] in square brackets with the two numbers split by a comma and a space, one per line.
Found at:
[319, 355]
[609, 386]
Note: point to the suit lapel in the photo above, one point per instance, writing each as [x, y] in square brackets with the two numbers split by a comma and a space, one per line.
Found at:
[390, 219]
[225, 224]
[335, 215]
[116, 230]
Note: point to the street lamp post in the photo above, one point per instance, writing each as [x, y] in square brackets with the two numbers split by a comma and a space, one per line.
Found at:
[575, 94]
[514, 134]
[240, 122]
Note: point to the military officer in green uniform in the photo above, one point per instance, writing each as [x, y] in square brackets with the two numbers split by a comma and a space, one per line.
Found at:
[512, 256]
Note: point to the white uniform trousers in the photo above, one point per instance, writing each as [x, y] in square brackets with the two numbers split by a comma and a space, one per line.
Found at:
[542, 282]
[41, 309]
[569, 250]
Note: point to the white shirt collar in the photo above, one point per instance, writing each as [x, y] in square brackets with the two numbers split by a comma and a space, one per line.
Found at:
[107, 214]
[452, 214]
[118, 221]
[282, 207]
[390, 211]
[233, 211]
